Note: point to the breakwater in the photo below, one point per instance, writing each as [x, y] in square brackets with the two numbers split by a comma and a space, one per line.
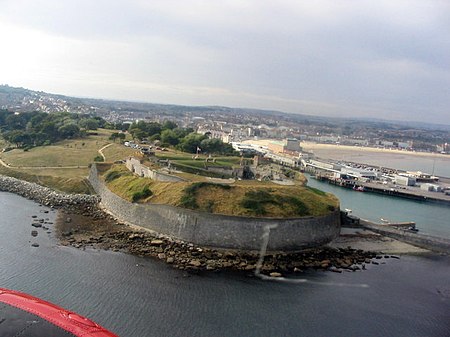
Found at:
[220, 231]
[434, 243]
[48, 197]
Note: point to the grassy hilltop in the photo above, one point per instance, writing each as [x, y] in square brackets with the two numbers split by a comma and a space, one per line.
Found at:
[244, 198]
[64, 166]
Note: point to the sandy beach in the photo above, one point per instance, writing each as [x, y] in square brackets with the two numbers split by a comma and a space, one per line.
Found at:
[311, 146]
[432, 163]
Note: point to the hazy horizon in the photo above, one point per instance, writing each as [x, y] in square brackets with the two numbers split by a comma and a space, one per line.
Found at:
[361, 59]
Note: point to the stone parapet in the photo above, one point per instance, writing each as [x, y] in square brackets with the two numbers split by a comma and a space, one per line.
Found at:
[217, 230]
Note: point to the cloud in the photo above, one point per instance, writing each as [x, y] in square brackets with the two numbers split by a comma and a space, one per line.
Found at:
[334, 58]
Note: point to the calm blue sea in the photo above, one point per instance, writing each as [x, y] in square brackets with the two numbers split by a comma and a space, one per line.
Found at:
[137, 297]
[430, 218]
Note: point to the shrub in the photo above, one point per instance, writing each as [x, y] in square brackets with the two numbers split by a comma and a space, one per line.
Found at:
[145, 193]
[99, 159]
[111, 175]
[300, 208]
[189, 198]
[255, 201]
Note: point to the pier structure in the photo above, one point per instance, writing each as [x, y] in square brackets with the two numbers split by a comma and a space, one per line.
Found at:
[376, 180]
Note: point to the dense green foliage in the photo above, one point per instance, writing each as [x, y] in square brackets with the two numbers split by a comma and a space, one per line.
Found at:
[189, 198]
[255, 201]
[116, 135]
[145, 193]
[183, 139]
[40, 128]
[112, 175]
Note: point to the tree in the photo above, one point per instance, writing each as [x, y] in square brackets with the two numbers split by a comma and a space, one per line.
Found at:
[15, 122]
[191, 142]
[69, 131]
[169, 137]
[114, 136]
[153, 128]
[121, 136]
[39, 128]
[89, 123]
[216, 146]
[18, 137]
[211, 145]
[138, 134]
[50, 130]
[169, 125]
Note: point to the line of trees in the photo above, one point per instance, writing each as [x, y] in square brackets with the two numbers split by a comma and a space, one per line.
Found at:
[39, 128]
[183, 139]
[31, 129]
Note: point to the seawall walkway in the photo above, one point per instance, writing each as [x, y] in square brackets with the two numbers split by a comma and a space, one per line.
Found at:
[430, 242]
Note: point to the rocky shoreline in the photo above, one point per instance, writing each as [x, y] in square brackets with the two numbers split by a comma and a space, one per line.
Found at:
[82, 224]
[48, 197]
[82, 231]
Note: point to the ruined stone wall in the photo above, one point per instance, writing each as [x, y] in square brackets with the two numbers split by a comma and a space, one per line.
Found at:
[221, 231]
[135, 166]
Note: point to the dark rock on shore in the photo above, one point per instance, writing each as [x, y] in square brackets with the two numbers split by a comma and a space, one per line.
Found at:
[104, 232]
[81, 223]
[46, 196]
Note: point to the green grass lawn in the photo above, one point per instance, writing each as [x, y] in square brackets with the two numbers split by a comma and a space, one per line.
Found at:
[76, 152]
[244, 198]
[64, 167]
[118, 152]
[46, 165]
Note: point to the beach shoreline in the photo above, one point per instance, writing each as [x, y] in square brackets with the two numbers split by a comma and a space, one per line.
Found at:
[316, 146]
[308, 146]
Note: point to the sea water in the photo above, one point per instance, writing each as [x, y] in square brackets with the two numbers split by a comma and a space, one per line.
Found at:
[140, 297]
[430, 218]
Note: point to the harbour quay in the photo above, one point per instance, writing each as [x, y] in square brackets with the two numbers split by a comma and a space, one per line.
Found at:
[382, 180]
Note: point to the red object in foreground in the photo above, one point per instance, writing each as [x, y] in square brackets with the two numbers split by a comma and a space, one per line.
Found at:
[22, 314]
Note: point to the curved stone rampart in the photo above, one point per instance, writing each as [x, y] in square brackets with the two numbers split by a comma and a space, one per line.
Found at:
[216, 230]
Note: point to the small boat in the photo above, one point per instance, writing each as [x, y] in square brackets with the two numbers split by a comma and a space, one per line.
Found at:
[384, 220]
[20, 312]
[359, 188]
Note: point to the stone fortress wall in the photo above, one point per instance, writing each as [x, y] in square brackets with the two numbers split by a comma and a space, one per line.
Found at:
[216, 230]
[135, 166]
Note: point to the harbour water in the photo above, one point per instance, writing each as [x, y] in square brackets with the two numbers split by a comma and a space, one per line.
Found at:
[137, 297]
[430, 218]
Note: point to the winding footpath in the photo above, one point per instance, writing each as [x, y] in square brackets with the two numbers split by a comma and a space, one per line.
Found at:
[100, 151]
[103, 148]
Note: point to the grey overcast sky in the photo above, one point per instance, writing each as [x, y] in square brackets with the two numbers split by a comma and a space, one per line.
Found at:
[383, 58]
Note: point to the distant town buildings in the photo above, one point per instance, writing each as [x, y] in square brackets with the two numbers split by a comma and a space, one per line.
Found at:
[237, 125]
